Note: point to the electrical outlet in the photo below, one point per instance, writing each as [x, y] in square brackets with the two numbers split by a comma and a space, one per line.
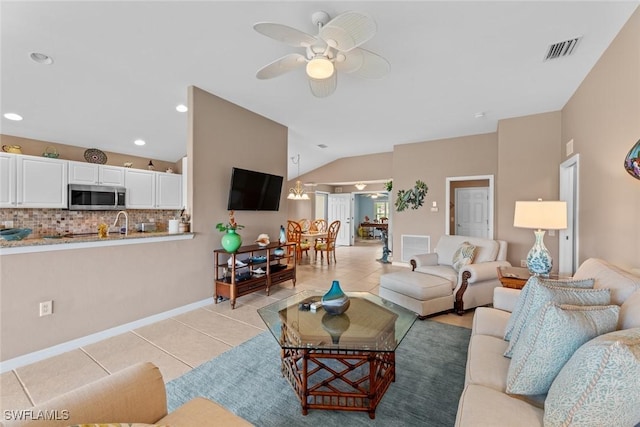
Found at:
[46, 308]
[523, 263]
[8, 224]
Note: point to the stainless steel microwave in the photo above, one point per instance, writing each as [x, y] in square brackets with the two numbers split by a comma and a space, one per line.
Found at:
[96, 197]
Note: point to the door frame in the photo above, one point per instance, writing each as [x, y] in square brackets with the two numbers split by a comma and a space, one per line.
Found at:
[448, 213]
[568, 260]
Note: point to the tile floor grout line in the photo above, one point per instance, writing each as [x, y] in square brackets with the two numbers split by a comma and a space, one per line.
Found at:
[162, 349]
[82, 349]
[24, 387]
[210, 336]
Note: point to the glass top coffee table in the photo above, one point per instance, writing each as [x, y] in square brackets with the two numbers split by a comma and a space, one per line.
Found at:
[344, 361]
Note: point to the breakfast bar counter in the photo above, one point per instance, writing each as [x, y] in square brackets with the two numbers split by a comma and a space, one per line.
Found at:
[57, 243]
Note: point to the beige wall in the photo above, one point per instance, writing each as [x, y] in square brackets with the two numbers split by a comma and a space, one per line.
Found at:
[99, 288]
[528, 169]
[34, 147]
[603, 119]
[432, 162]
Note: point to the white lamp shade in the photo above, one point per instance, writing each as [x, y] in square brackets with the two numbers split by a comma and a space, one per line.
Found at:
[541, 215]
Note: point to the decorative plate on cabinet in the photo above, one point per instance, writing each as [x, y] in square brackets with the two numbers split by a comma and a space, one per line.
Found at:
[93, 155]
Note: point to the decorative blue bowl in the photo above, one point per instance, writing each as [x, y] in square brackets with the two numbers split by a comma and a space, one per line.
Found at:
[15, 233]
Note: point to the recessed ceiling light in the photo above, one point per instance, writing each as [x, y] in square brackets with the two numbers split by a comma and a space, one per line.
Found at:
[182, 108]
[139, 142]
[13, 116]
[41, 58]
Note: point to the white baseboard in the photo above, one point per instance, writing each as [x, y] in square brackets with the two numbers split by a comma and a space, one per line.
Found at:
[39, 355]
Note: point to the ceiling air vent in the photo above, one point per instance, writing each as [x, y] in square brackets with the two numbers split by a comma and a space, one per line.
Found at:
[561, 49]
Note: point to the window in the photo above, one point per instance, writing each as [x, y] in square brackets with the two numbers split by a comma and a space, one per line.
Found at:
[381, 209]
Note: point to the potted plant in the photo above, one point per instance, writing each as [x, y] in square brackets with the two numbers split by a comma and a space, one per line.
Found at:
[231, 240]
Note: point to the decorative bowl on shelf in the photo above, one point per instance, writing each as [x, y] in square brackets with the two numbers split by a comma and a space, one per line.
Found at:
[15, 233]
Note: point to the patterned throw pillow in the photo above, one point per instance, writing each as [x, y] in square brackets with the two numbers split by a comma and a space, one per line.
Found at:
[550, 339]
[541, 293]
[524, 295]
[463, 256]
[599, 385]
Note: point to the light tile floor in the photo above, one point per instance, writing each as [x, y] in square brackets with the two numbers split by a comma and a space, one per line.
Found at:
[178, 344]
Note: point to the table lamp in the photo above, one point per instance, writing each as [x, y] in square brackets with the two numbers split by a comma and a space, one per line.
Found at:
[540, 216]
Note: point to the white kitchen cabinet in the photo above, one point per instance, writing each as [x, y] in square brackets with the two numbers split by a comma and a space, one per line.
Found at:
[41, 182]
[153, 190]
[168, 191]
[91, 173]
[7, 180]
[141, 189]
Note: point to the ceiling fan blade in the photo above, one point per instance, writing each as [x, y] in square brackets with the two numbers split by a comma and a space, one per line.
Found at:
[363, 63]
[348, 30]
[281, 66]
[323, 87]
[285, 34]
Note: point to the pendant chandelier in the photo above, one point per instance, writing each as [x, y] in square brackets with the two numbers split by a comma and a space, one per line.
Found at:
[297, 192]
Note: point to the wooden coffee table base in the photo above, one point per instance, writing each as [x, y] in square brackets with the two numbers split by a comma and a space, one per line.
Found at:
[339, 379]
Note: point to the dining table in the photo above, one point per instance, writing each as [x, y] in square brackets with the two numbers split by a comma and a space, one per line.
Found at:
[313, 237]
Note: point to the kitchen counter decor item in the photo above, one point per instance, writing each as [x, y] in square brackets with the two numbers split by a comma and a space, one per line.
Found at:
[15, 149]
[93, 155]
[51, 152]
[15, 233]
[335, 301]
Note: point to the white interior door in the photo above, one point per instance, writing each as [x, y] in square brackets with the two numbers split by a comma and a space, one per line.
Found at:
[472, 211]
[568, 250]
[340, 209]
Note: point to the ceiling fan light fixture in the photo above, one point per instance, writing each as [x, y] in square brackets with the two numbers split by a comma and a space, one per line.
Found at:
[320, 68]
[360, 186]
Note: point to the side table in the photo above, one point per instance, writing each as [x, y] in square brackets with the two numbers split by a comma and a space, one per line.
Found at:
[513, 277]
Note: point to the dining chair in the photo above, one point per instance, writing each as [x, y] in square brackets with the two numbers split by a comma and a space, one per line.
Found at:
[319, 225]
[329, 244]
[294, 234]
[304, 224]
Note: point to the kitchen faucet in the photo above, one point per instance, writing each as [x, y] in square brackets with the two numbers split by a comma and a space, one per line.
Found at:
[126, 222]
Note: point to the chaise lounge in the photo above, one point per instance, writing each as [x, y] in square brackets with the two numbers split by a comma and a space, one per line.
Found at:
[460, 274]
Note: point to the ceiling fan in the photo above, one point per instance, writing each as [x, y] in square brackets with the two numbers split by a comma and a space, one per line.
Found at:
[335, 48]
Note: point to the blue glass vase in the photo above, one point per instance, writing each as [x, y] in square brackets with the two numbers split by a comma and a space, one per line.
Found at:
[632, 161]
[335, 301]
[231, 241]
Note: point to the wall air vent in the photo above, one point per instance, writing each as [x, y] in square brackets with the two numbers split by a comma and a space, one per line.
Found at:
[562, 49]
[411, 244]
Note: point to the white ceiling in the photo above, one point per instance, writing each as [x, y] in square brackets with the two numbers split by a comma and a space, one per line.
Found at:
[120, 68]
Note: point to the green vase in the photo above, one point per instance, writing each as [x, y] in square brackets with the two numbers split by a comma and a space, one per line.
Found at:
[231, 241]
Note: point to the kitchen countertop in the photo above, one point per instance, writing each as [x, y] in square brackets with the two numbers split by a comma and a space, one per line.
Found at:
[41, 244]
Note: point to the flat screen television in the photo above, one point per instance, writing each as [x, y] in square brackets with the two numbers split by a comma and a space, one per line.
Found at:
[254, 191]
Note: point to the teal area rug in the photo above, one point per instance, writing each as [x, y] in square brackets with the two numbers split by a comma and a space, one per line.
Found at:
[430, 368]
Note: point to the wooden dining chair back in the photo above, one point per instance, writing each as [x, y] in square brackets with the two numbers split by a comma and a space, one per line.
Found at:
[294, 235]
[319, 225]
[329, 244]
[304, 224]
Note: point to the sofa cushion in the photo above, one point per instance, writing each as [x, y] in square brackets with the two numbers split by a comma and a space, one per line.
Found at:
[622, 283]
[485, 364]
[489, 321]
[541, 293]
[481, 406]
[445, 271]
[486, 249]
[463, 256]
[630, 312]
[550, 339]
[422, 287]
[200, 411]
[522, 303]
[599, 384]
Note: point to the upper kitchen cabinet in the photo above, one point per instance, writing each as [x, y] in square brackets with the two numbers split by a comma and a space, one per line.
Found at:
[7, 180]
[90, 173]
[41, 182]
[153, 190]
[168, 191]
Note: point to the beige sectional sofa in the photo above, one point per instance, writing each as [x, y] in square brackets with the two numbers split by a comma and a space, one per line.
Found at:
[133, 395]
[598, 396]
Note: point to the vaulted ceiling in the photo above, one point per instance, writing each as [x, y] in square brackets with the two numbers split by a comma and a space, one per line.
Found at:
[120, 68]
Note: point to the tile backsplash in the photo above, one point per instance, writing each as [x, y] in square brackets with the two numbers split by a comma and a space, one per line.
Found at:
[60, 221]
